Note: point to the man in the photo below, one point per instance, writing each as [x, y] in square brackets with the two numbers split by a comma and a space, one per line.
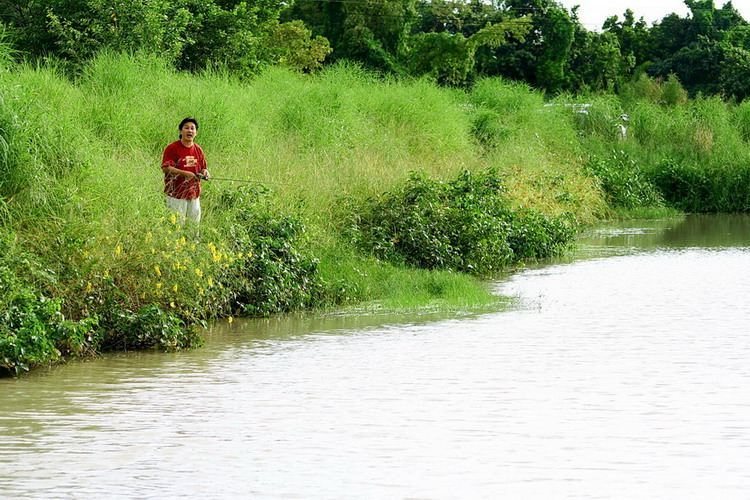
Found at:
[184, 165]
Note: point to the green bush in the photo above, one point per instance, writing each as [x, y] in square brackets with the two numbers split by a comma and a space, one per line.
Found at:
[672, 92]
[33, 330]
[698, 188]
[684, 185]
[270, 273]
[464, 225]
[537, 236]
[6, 50]
[122, 327]
[153, 327]
[623, 182]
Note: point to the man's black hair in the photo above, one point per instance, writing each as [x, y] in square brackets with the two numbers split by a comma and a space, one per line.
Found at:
[187, 120]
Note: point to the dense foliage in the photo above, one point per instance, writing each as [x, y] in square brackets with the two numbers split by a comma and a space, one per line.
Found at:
[689, 154]
[624, 182]
[181, 283]
[539, 42]
[270, 274]
[195, 34]
[464, 225]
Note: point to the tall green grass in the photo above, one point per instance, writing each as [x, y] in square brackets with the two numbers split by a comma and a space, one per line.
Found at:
[695, 152]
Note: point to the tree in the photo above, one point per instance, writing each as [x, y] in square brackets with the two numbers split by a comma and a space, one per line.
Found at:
[669, 35]
[76, 29]
[557, 37]
[291, 44]
[228, 33]
[697, 66]
[727, 18]
[596, 62]
[735, 74]
[695, 48]
[702, 21]
[541, 57]
[450, 58]
[633, 36]
[193, 34]
[374, 32]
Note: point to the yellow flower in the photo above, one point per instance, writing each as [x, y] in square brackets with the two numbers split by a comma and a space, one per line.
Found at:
[198, 272]
[106, 273]
[118, 250]
[89, 287]
[230, 319]
[157, 270]
[171, 304]
[173, 218]
[85, 254]
[158, 286]
[210, 282]
[149, 236]
[174, 289]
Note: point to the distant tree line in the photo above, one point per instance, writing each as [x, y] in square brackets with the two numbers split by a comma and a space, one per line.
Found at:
[454, 41]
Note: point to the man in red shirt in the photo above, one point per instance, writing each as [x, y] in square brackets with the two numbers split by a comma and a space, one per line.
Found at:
[184, 165]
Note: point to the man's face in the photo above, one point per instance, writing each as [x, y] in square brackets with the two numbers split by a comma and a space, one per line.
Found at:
[189, 131]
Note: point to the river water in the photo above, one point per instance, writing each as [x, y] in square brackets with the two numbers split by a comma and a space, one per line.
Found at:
[623, 372]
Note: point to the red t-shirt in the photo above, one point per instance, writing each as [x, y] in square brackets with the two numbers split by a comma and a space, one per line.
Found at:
[189, 159]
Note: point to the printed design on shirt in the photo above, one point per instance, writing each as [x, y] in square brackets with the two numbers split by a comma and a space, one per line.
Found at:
[191, 161]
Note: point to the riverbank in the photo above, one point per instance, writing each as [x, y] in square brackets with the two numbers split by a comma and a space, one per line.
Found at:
[91, 260]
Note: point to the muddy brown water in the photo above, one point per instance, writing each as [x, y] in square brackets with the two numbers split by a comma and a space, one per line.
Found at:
[621, 372]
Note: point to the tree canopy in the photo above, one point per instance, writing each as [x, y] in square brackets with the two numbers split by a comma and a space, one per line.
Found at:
[455, 42]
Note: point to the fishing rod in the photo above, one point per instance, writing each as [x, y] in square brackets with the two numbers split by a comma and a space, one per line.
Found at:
[246, 181]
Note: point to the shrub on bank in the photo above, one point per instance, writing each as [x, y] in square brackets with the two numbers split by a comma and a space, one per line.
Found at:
[33, 330]
[702, 189]
[152, 289]
[624, 183]
[464, 225]
[270, 273]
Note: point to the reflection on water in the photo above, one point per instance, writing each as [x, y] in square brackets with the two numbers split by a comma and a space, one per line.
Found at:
[616, 377]
[695, 231]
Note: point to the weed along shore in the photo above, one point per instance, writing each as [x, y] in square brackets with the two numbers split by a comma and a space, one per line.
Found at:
[365, 191]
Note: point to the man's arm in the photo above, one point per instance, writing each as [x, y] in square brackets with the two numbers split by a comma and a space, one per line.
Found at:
[168, 169]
